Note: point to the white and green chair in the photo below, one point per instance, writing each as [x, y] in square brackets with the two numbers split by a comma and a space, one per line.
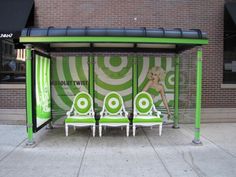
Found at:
[113, 113]
[145, 113]
[81, 113]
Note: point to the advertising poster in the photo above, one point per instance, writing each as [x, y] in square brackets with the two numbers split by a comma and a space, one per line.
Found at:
[156, 76]
[70, 75]
[42, 90]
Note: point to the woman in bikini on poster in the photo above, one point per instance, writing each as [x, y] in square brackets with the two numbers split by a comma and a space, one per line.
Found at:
[155, 76]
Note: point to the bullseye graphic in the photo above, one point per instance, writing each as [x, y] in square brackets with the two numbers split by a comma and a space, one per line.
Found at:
[82, 103]
[144, 101]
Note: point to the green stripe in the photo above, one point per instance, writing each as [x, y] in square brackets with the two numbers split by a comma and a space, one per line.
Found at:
[112, 87]
[60, 91]
[101, 97]
[80, 70]
[114, 40]
[67, 74]
[163, 62]
[151, 64]
[112, 74]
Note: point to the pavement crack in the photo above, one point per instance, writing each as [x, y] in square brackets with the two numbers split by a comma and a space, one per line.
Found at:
[217, 145]
[85, 148]
[193, 165]
[162, 161]
[4, 157]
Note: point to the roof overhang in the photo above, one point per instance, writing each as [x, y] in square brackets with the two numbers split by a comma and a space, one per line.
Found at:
[175, 40]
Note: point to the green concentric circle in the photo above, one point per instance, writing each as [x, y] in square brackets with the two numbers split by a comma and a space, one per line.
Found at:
[113, 103]
[143, 103]
[83, 103]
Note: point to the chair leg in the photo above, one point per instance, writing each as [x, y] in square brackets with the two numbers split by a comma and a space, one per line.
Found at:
[127, 130]
[160, 129]
[134, 128]
[74, 128]
[121, 128]
[93, 130]
[66, 129]
[100, 130]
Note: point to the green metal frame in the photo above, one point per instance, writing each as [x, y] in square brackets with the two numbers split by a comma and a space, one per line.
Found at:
[29, 93]
[176, 93]
[198, 98]
[113, 40]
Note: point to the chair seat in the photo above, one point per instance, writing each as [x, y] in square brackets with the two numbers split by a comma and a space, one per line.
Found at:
[80, 120]
[114, 119]
[147, 119]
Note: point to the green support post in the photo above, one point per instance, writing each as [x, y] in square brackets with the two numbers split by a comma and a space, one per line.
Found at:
[91, 76]
[198, 98]
[135, 76]
[176, 93]
[29, 92]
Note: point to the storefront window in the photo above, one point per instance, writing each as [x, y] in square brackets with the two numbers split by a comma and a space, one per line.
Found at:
[229, 71]
[12, 69]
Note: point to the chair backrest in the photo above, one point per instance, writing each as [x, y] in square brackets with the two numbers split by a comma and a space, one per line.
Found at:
[113, 103]
[143, 103]
[83, 103]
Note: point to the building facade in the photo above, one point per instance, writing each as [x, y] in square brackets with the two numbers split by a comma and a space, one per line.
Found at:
[218, 98]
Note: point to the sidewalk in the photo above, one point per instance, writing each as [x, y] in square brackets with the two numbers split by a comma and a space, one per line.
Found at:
[115, 155]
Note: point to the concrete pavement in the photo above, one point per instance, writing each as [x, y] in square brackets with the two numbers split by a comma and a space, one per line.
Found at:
[114, 154]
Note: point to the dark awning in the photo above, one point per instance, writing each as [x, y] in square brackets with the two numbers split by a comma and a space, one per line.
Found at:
[14, 16]
[231, 8]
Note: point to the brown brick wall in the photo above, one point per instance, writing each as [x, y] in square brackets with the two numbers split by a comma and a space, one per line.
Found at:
[12, 98]
[203, 14]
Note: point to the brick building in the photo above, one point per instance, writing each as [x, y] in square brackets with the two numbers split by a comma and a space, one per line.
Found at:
[218, 98]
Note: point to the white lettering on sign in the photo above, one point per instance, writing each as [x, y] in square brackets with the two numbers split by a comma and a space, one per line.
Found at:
[6, 35]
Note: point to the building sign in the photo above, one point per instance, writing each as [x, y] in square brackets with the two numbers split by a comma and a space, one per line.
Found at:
[6, 35]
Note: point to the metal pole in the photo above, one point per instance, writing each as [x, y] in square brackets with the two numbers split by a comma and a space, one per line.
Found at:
[176, 92]
[91, 76]
[29, 93]
[198, 98]
[135, 76]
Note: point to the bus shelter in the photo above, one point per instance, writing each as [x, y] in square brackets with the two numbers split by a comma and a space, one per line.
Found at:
[60, 62]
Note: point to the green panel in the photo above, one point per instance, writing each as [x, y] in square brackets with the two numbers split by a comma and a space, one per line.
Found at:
[114, 40]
